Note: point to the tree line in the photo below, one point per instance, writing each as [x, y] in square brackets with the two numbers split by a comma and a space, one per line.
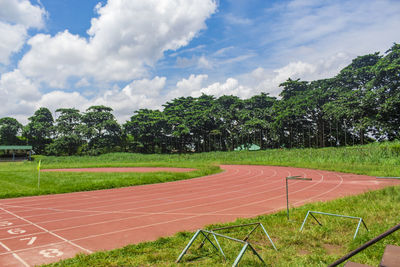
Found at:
[359, 105]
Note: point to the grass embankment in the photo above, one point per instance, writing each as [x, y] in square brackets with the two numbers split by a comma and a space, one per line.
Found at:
[314, 246]
[20, 179]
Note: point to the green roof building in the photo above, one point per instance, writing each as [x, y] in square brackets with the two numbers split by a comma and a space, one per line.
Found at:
[250, 147]
[15, 152]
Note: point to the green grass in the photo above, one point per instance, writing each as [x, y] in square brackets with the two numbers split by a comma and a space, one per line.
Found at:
[314, 246]
[20, 179]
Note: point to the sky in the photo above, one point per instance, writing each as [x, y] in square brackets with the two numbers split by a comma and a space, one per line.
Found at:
[134, 54]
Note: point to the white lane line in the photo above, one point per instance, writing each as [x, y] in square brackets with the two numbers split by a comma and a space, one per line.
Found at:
[112, 193]
[193, 206]
[326, 192]
[146, 197]
[132, 211]
[38, 226]
[14, 254]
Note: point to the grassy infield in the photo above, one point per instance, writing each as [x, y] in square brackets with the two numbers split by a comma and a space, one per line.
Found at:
[315, 246]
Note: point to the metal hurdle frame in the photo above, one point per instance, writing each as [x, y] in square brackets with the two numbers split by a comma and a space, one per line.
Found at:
[246, 244]
[296, 177]
[360, 220]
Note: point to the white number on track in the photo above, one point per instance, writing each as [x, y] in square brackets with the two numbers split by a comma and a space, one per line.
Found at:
[51, 253]
[16, 231]
[31, 240]
[5, 223]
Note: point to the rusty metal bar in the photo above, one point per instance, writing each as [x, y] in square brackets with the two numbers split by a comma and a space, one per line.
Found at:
[255, 253]
[335, 215]
[207, 233]
[248, 235]
[296, 177]
[365, 245]
[234, 226]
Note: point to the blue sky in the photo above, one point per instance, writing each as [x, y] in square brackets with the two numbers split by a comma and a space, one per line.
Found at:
[139, 54]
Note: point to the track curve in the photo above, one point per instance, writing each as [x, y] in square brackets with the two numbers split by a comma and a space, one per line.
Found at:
[42, 229]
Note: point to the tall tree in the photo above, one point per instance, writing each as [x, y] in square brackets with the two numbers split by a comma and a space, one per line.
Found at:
[69, 130]
[227, 112]
[386, 85]
[148, 128]
[101, 129]
[354, 105]
[177, 111]
[257, 117]
[10, 128]
[39, 130]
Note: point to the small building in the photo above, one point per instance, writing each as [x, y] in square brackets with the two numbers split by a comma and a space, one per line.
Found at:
[15, 153]
[250, 147]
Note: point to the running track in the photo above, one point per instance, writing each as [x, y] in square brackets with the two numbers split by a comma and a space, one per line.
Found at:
[44, 229]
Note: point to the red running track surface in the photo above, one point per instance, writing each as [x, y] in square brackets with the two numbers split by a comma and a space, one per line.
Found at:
[44, 229]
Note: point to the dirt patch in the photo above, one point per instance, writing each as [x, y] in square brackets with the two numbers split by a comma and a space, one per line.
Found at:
[303, 252]
[333, 249]
[125, 169]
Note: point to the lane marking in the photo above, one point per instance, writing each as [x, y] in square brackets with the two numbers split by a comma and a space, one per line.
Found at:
[16, 231]
[38, 226]
[163, 188]
[15, 255]
[51, 253]
[132, 211]
[31, 240]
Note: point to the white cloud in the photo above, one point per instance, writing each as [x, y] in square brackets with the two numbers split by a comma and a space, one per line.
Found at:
[139, 94]
[126, 38]
[16, 17]
[20, 95]
[310, 30]
[235, 20]
[187, 87]
[22, 12]
[59, 99]
[204, 63]
[12, 38]
[230, 87]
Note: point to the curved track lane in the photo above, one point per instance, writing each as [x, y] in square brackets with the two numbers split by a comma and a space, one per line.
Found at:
[43, 229]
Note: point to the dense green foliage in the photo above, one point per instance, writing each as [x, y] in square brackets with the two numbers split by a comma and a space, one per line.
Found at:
[9, 129]
[20, 178]
[358, 105]
[314, 246]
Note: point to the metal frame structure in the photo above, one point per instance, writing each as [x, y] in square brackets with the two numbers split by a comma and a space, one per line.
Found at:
[297, 177]
[246, 244]
[17, 148]
[360, 220]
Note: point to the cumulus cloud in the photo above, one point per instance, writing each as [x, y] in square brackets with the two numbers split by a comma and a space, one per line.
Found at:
[230, 87]
[12, 38]
[311, 40]
[20, 94]
[125, 40]
[16, 17]
[138, 94]
[22, 12]
[188, 87]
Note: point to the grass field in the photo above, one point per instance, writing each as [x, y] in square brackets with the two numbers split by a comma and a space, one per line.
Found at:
[20, 178]
[315, 246]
